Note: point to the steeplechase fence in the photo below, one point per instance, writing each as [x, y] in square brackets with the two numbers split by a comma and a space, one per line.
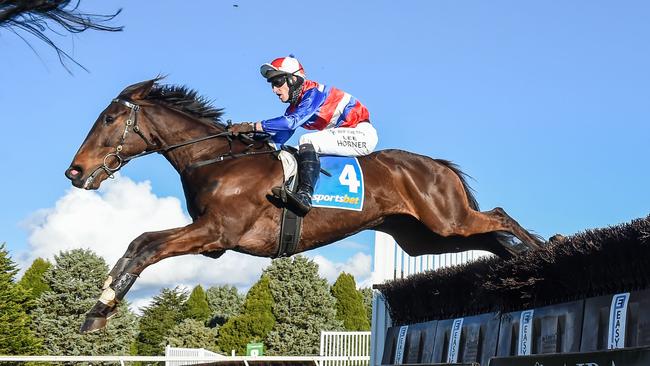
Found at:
[580, 300]
[392, 263]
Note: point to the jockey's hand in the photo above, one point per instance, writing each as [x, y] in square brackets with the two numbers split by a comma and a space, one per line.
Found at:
[244, 127]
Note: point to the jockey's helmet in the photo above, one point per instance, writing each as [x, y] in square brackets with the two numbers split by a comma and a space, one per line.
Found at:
[283, 66]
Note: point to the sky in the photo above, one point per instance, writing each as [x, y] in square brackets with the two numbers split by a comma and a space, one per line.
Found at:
[544, 104]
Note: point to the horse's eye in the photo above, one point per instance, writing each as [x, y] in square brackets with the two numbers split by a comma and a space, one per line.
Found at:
[108, 119]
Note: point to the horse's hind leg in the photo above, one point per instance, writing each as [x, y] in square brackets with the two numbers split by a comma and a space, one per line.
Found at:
[497, 220]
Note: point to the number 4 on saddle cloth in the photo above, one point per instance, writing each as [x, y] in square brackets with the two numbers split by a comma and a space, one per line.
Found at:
[341, 188]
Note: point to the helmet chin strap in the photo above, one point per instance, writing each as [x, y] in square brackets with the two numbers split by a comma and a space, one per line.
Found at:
[295, 88]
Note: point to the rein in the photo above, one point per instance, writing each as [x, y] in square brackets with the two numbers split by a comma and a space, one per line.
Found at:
[229, 155]
[132, 124]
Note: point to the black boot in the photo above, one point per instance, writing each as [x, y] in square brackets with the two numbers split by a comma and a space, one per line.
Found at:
[308, 171]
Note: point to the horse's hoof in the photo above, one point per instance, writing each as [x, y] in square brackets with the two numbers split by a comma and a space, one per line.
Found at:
[111, 314]
[92, 324]
[557, 238]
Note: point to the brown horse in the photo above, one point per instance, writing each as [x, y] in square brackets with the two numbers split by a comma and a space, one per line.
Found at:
[425, 204]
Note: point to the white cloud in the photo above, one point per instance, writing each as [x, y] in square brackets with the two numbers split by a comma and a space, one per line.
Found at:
[106, 221]
[137, 305]
[239, 270]
[358, 265]
[352, 245]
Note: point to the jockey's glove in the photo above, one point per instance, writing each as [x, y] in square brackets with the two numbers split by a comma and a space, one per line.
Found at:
[244, 127]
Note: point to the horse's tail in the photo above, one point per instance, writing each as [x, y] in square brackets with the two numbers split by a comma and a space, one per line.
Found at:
[463, 178]
[497, 241]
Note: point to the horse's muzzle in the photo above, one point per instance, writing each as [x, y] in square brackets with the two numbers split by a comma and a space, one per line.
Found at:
[75, 173]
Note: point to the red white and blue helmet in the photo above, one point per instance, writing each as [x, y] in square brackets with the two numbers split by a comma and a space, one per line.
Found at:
[282, 66]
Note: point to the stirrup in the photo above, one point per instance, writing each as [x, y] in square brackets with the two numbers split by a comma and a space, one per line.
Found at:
[280, 193]
[297, 204]
[291, 200]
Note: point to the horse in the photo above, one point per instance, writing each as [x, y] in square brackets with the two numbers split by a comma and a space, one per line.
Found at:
[425, 204]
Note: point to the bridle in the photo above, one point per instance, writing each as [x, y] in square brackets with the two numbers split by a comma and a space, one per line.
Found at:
[131, 124]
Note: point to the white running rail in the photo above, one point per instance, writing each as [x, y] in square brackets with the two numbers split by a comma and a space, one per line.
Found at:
[174, 352]
[244, 360]
[355, 345]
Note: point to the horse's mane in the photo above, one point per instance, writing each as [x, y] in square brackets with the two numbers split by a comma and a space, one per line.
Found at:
[186, 100]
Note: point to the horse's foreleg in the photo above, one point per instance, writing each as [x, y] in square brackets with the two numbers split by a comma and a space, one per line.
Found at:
[144, 251]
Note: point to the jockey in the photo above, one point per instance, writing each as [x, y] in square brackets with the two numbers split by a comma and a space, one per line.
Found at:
[341, 122]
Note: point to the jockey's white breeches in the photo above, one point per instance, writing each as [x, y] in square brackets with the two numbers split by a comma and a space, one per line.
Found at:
[356, 141]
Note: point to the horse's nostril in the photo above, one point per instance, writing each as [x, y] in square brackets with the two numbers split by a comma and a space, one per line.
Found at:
[74, 172]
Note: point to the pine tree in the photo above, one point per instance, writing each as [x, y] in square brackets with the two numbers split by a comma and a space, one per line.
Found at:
[225, 302]
[349, 304]
[255, 322]
[366, 293]
[16, 337]
[191, 333]
[302, 305]
[197, 307]
[33, 279]
[75, 279]
[158, 318]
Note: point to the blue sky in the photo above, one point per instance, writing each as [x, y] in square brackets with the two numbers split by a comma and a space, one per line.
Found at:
[544, 104]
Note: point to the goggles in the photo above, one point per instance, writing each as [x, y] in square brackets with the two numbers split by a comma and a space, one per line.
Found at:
[278, 81]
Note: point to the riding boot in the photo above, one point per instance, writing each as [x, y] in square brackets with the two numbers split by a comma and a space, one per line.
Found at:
[308, 171]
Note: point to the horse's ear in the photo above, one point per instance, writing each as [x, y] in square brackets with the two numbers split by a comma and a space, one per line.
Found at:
[138, 91]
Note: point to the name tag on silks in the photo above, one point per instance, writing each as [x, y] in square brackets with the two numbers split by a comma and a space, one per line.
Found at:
[344, 189]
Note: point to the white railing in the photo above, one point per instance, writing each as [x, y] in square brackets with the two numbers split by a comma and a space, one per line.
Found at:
[345, 344]
[175, 352]
[391, 262]
[244, 360]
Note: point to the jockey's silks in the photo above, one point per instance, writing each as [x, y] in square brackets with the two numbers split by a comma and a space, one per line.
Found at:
[319, 107]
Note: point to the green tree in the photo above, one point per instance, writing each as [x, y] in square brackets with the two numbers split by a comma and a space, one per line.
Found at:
[197, 307]
[225, 302]
[366, 293]
[158, 318]
[302, 305]
[255, 322]
[16, 336]
[33, 279]
[75, 279]
[191, 333]
[349, 304]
